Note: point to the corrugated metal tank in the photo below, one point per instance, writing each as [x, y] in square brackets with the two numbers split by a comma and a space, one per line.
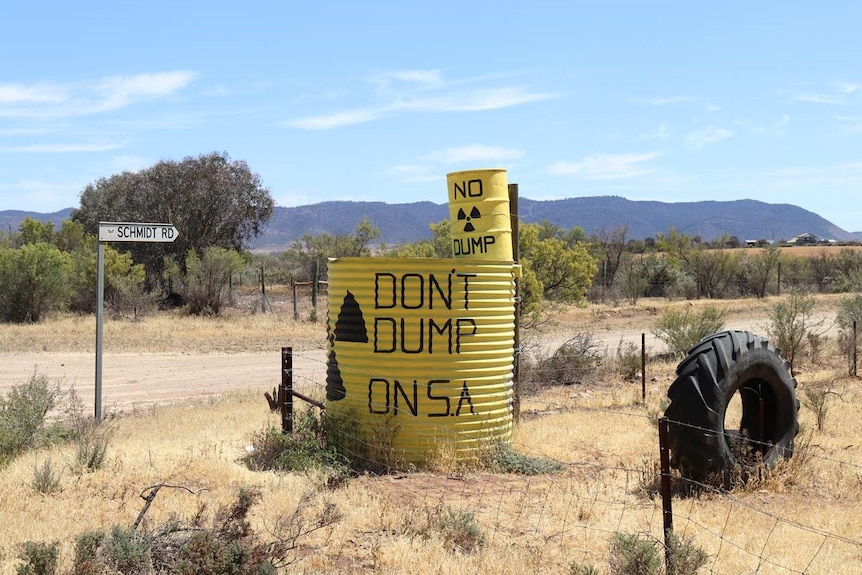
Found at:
[421, 355]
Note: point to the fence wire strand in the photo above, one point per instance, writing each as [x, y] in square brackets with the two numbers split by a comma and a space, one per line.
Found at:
[600, 500]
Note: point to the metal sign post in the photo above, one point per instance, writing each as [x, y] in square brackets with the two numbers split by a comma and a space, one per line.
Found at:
[119, 232]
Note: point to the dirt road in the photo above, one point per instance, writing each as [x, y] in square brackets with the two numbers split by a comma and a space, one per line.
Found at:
[135, 381]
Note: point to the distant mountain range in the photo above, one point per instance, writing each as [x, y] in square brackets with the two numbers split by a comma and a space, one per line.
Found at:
[400, 223]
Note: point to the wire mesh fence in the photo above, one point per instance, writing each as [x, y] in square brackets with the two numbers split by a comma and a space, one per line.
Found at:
[801, 517]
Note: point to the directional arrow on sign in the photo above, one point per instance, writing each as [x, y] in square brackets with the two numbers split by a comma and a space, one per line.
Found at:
[137, 232]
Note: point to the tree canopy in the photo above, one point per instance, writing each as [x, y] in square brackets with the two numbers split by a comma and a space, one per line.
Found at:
[210, 199]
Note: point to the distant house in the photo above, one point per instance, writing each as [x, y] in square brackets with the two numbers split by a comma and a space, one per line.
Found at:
[809, 239]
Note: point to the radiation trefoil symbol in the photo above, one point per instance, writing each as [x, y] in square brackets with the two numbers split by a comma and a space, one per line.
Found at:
[474, 214]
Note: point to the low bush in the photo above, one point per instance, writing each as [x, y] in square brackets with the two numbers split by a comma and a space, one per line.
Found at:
[46, 478]
[459, 530]
[682, 329]
[39, 558]
[576, 361]
[23, 412]
[224, 544]
[502, 458]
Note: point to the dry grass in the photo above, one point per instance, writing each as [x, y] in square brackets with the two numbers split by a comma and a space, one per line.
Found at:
[804, 518]
[164, 332]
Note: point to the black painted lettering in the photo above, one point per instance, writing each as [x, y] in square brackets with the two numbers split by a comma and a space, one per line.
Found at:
[477, 245]
[464, 327]
[420, 290]
[445, 329]
[385, 326]
[420, 332]
[399, 389]
[465, 396]
[376, 407]
[445, 296]
[466, 288]
[443, 398]
[471, 188]
[388, 295]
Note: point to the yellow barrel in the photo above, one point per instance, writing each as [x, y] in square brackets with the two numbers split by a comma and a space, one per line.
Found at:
[420, 356]
[479, 214]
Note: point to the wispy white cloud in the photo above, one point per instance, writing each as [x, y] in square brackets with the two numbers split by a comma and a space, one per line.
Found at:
[660, 133]
[339, 119]
[851, 123]
[707, 136]
[422, 91]
[606, 167]
[847, 88]
[776, 128]
[80, 99]
[667, 100]
[815, 98]
[16, 94]
[474, 153]
[385, 80]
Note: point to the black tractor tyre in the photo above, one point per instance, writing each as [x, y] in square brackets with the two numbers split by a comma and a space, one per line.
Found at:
[716, 368]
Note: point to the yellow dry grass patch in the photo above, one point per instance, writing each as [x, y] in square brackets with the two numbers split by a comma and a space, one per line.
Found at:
[165, 332]
[802, 519]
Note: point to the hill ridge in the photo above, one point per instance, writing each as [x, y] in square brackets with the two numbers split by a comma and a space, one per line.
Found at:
[747, 219]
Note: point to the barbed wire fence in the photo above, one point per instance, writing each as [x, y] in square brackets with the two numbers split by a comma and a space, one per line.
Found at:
[572, 516]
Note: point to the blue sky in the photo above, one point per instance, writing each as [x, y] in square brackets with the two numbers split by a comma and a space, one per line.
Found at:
[667, 101]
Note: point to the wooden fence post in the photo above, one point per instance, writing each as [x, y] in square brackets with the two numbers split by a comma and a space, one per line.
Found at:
[286, 394]
[666, 506]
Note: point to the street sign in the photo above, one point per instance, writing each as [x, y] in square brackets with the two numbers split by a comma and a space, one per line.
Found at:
[119, 232]
[137, 232]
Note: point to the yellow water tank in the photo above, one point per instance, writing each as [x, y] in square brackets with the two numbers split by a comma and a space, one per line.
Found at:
[420, 355]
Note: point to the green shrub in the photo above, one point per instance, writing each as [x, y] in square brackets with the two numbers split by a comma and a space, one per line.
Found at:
[91, 444]
[23, 412]
[460, 531]
[683, 556]
[39, 558]
[682, 329]
[303, 449]
[46, 479]
[87, 561]
[628, 359]
[576, 568]
[33, 281]
[849, 311]
[127, 551]
[307, 448]
[793, 326]
[634, 555]
[576, 361]
[502, 458]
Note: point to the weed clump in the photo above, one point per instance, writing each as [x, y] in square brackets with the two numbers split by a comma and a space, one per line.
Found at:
[303, 450]
[682, 329]
[23, 412]
[225, 544]
[502, 458]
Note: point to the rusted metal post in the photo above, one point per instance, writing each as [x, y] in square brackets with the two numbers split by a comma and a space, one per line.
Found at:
[286, 394]
[643, 367]
[516, 370]
[262, 291]
[314, 290]
[666, 506]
